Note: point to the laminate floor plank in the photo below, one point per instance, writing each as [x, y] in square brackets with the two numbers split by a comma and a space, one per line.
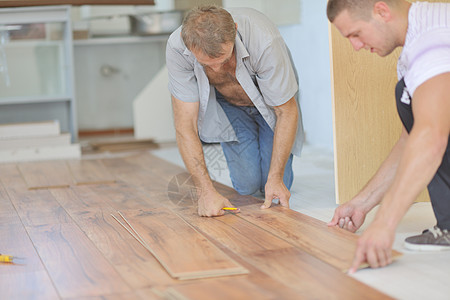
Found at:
[332, 245]
[280, 260]
[29, 279]
[225, 289]
[75, 265]
[48, 174]
[156, 165]
[90, 211]
[124, 196]
[135, 174]
[8, 214]
[165, 232]
[34, 207]
[136, 295]
[90, 171]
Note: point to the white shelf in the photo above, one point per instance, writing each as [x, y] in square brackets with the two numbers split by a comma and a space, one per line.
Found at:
[121, 40]
[34, 99]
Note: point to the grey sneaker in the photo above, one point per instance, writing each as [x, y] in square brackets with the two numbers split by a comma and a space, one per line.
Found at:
[433, 239]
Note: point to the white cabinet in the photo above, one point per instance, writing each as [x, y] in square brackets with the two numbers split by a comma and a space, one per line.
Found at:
[36, 66]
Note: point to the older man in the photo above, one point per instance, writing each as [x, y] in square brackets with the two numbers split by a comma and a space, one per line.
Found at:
[232, 81]
[421, 157]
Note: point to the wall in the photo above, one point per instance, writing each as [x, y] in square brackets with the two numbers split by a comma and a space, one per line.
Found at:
[308, 42]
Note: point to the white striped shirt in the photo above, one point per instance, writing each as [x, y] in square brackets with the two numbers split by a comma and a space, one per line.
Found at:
[426, 52]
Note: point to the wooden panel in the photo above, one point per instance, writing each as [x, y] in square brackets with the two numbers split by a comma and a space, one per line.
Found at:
[332, 245]
[91, 213]
[278, 259]
[139, 294]
[50, 174]
[165, 232]
[28, 279]
[15, 3]
[76, 267]
[365, 119]
[122, 196]
[222, 290]
[35, 207]
[8, 214]
[89, 172]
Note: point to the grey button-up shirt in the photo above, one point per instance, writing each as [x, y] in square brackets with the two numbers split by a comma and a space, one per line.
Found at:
[264, 69]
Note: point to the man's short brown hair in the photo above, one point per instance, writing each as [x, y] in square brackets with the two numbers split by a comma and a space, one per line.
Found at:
[207, 28]
[359, 9]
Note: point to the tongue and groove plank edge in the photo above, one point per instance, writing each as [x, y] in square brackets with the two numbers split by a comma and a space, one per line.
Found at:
[48, 174]
[182, 250]
[334, 246]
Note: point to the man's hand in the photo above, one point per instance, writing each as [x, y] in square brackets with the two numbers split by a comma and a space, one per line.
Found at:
[374, 246]
[210, 204]
[349, 216]
[275, 189]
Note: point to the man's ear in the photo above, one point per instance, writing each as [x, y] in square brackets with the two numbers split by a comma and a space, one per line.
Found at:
[382, 10]
[236, 25]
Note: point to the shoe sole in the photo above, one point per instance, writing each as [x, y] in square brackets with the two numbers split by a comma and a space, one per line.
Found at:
[419, 247]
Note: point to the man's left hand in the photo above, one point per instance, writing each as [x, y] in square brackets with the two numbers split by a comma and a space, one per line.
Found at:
[374, 246]
[275, 189]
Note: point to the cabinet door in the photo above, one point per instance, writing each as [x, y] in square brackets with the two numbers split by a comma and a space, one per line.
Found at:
[365, 121]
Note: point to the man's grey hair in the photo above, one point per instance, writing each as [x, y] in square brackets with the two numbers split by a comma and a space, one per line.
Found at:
[358, 9]
[207, 28]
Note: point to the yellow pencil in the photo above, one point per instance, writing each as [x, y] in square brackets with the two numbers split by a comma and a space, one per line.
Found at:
[230, 208]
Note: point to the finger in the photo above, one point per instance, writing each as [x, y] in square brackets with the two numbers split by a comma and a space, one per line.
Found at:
[372, 258]
[341, 223]
[284, 201]
[357, 260]
[382, 258]
[334, 221]
[389, 256]
[267, 202]
[351, 227]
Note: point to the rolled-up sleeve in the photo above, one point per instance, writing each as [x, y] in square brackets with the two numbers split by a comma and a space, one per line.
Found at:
[275, 75]
[182, 80]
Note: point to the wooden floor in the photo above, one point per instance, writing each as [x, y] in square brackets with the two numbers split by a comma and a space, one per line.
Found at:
[74, 249]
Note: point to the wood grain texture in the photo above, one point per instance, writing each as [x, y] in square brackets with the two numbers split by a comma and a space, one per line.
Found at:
[91, 213]
[89, 172]
[291, 266]
[332, 245]
[165, 232]
[43, 175]
[365, 121]
[35, 207]
[28, 279]
[8, 214]
[76, 267]
[226, 289]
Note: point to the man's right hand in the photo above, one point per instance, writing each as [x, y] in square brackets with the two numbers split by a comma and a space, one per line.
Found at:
[349, 216]
[210, 204]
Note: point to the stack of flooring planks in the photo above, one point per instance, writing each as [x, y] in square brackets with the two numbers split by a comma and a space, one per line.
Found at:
[35, 141]
[75, 249]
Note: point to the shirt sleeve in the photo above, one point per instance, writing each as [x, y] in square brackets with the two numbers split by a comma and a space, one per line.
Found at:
[275, 74]
[182, 80]
[429, 56]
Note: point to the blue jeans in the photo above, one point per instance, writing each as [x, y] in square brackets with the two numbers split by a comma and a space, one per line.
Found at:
[249, 158]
